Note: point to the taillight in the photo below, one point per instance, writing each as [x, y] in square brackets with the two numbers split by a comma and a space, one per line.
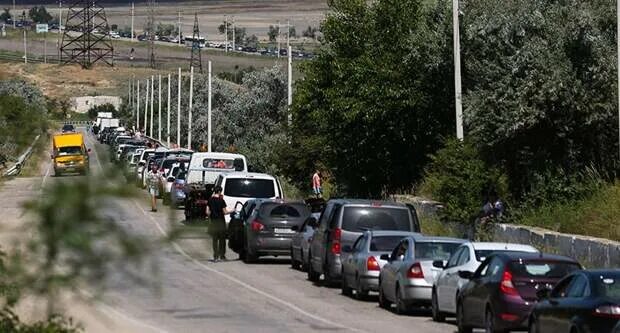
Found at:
[336, 237]
[415, 271]
[506, 286]
[256, 226]
[608, 311]
[372, 264]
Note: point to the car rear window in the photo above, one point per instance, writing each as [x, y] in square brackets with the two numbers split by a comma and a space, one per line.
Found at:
[608, 285]
[276, 210]
[481, 255]
[360, 219]
[542, 269]
[434, 250]
[384, 243]
[65, 151]
[168, 163]
[249, 188]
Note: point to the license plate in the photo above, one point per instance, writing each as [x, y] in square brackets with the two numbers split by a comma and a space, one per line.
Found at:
[284, 231]
[69, 169]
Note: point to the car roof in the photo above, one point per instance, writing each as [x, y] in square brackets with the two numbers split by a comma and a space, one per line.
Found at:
[532, 256]
[426, 239]
[247, 175]
[367, 202]
[378, 233]
[503, 246]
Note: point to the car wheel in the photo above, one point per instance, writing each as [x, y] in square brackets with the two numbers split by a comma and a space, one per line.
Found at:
[460, 320]
[532, 327]
[304, 264]
[250, 257]
[294, 262]
[346, 290]
[489, 322]
[312, 275]
[360, 293]
[383, 301]
[328, 279]
[401, 305]
[438, 316]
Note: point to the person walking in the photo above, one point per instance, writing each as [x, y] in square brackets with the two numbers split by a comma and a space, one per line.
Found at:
[316, 184]
[153, 186]
[216, 210]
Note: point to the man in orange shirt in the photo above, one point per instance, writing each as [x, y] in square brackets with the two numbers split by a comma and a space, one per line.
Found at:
[316, 184]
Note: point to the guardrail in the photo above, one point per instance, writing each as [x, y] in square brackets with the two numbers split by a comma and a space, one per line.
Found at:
[16, 169]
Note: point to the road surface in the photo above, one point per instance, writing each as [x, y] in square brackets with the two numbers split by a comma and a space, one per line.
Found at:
[197, 295]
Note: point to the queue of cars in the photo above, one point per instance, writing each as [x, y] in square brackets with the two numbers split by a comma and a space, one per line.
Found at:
[367, 246]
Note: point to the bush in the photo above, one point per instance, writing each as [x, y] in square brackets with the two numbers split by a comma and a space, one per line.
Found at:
[460, 179]
[10, 323]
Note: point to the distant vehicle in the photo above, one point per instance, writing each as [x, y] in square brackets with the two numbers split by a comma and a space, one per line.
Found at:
[584, 301]
[164, 39]
[114, 34]
[177, 191]
[501, 293]
[300, 243]
[173, 39]
[466, 258]
[68, 128]
[268, 229]
[239, 187]
[69, 154]
[189, 41]
[361, 269]
[204, 168]
[343, 221]
[407, 278]
[166, 178]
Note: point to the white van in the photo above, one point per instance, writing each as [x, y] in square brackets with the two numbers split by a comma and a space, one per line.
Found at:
[239, 187]
[205, 167]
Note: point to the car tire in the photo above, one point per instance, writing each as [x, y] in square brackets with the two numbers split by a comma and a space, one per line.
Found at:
[360, 293]
[489, 322]
[304, 264]
[532, 326]
[401, 306]
[461, 327]
[438, 316]
[312, 275]
[250, 258]
[346, 290]
[383, 301]
[294, 262]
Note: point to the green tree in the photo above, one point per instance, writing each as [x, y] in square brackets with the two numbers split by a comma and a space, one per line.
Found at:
[372, 106]
[240, 33]
[310, 32]
[272, 33]
[39, 14]
[167, 29]
[6, 15]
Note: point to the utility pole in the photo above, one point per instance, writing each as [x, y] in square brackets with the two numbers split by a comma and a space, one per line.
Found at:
[290, 84]
[168, 118]
[233, 36]
[59, 28]
[146, 107]
[196, 57]
[278, 39]
[152, 94]
[288, 35]
[618, 46]
[179, 27]
[189, 117]
[457, 70]
[209, 112]
[133, 13]
[13, 16]
[226, 33]
[179, 109]
[129, 97]
[25, 41]
[159, 110]
[138, 106]
[151, 30]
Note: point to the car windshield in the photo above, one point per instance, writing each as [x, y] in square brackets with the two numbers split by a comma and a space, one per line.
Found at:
[359, 219]
[249, 188]
[64, 151]
[68, 128]
[384, 243]
[542, 268]
[608, 285]
[434, 250]
[276, 210]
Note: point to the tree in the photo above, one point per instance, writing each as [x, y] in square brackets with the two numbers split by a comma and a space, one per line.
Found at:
[240, 33]
[310, 32]
[114, 27]
[539, 88]
[292, 32]
[39, 14]
[373, 106]
[6, 15]
[167, 29]
[92, 112]
[273, 33]
[251, 41]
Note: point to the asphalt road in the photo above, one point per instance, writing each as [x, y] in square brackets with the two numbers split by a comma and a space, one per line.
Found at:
[197, 295]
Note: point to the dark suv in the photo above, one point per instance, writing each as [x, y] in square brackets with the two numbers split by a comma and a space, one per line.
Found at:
[501, 293]
[343, 221]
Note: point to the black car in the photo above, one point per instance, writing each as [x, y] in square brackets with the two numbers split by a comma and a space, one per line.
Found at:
[584, 301]
[501, 293]
[68, 128]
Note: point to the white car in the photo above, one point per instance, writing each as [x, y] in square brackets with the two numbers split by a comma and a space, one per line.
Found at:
[239, 187]
[466, 258]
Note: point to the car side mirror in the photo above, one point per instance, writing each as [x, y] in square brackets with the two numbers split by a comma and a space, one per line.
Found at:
[347, 248]
[88, 150]
[170, 179]
[438, 264]
[385, 257]
[312, 222]
[467, 275]
[543, 293]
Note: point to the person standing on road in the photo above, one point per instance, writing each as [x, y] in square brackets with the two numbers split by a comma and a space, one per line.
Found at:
[153, 186]
[316, 184]
[216, 210]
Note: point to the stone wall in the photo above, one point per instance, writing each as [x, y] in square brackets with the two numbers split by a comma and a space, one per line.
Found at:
[590, 251]
[84, 103]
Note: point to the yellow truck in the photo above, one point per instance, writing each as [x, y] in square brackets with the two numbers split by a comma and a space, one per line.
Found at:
[70, 154]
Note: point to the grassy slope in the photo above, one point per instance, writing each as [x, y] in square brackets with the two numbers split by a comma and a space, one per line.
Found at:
[597, 216]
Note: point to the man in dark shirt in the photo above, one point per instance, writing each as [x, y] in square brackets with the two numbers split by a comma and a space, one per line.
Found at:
[216, 210]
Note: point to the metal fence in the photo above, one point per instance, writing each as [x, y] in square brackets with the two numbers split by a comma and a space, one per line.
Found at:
[17, 167]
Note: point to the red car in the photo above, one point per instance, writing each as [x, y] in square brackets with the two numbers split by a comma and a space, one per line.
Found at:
[502, 292]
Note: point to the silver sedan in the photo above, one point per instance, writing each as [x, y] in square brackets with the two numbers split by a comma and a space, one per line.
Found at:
[300, 243]
[361, 268]
[407, 279]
